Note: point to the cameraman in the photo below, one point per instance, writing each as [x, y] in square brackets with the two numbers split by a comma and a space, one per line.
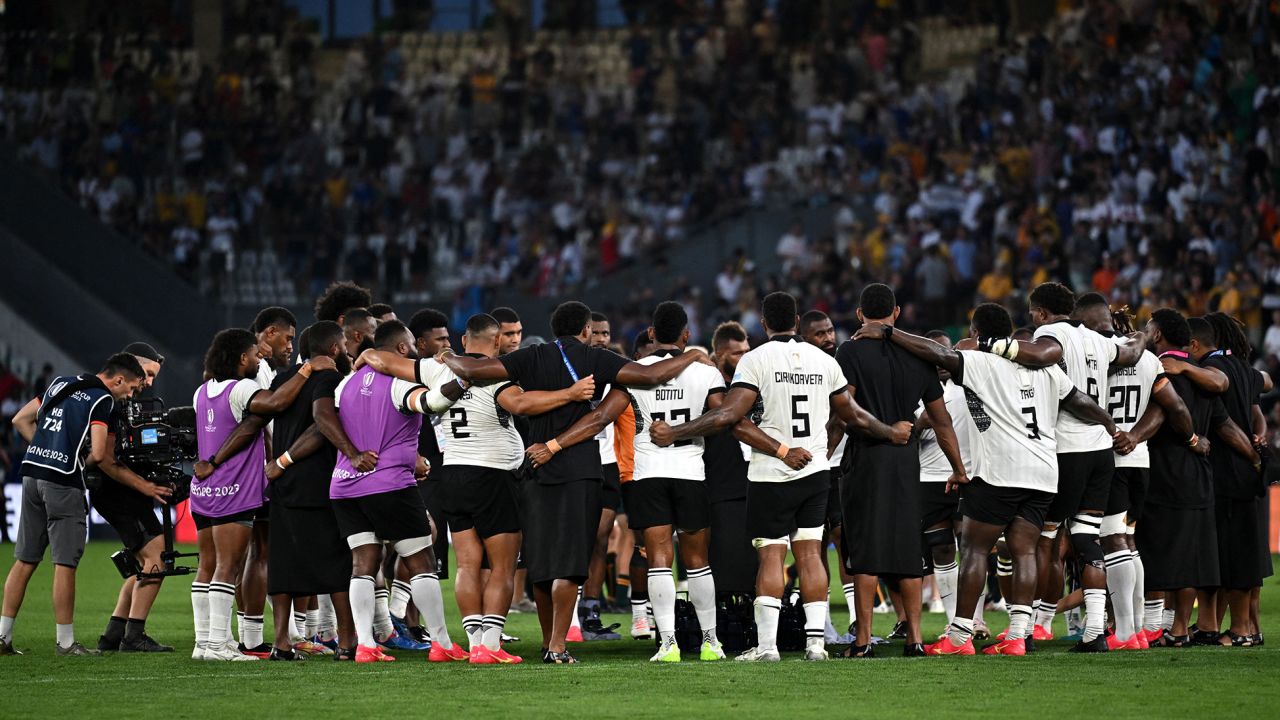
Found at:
[74, 409]
[126, 501]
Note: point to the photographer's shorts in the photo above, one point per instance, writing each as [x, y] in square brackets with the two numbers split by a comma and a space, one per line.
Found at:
[130, 513]
[53, 516]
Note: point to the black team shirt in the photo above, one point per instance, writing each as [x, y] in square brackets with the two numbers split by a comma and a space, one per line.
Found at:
[888, 381]
[541, 367]
[1179, 477]
[1233, 474]
[306, 483]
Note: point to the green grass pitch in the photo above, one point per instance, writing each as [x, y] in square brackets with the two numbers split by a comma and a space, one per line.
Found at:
[614, 679]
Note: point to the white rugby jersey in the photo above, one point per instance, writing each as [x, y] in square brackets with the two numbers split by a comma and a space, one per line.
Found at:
[934, 466]
[433, 375]
[1015, 412]
[480, 432]
[1086, 358]
[796, 381]
[1128, 398]
[676, 401]
[608, 456]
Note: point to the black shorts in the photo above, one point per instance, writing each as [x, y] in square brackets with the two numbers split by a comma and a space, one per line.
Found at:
[777, 509]
[732, 556]
[1084, 483]
[308, 554]
[130, 513]
[937, 505]
[392, 516]
[560, 523]
[478, 498]
[1240, 556]
[429, 490]
[611, 488]
[264, 513]
[1179, 547]
[244, 517]
[996, 505]
[835, 517]
[1128, 492]
[660, 501]
[882, 510]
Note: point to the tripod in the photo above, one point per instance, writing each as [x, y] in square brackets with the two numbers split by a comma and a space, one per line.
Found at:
[170, 556]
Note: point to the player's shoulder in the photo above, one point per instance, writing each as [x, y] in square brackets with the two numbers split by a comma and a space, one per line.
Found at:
[650, 360]
[1060, 331]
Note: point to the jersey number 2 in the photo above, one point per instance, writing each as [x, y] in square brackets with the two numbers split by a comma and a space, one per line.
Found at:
[459, 417]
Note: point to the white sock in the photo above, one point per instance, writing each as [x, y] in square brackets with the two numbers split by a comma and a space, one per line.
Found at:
[1153, 613]
[1019, 622]
[574, 621]
[66, 635]
[361, 590]
[767, 610]
[239, 628]
[815, 618]
[1166, 618]
[1045, 611]
[430, 602]
[491, 635]
[662, 593]
[648, 615]
[398, 605]
[222, 597]
[960, 630]
[1139, 594]
[299, 628]
[946, 577]
[1095, 609]
[829, 628]
[313, 623]
[382, 627]
[849, 600]
[638, 611]
[6, 629]
[982, 605]
[251, 631]
[473, 625]
[199, 611]
[328, 618]
[1121, 578]
[702, 593]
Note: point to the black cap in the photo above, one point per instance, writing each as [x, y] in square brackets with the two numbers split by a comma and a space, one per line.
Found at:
[144, 350]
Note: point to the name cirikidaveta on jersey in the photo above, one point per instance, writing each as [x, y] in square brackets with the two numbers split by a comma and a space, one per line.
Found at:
[795, 381]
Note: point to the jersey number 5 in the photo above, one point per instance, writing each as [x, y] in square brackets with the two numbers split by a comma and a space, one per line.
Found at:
[799, 420]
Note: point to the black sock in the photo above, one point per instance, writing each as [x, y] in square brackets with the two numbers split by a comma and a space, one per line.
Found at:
[135, 628]
[115, 628]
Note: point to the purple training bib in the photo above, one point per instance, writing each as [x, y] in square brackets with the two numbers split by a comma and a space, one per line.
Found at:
[372, 422]
[237, 485]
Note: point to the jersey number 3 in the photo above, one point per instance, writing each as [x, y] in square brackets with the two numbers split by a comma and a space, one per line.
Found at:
[1033, 425]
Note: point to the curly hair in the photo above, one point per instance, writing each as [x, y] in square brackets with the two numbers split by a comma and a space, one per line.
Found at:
[222, 361]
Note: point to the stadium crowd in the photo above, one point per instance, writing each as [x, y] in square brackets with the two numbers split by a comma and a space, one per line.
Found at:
[1124, 150]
